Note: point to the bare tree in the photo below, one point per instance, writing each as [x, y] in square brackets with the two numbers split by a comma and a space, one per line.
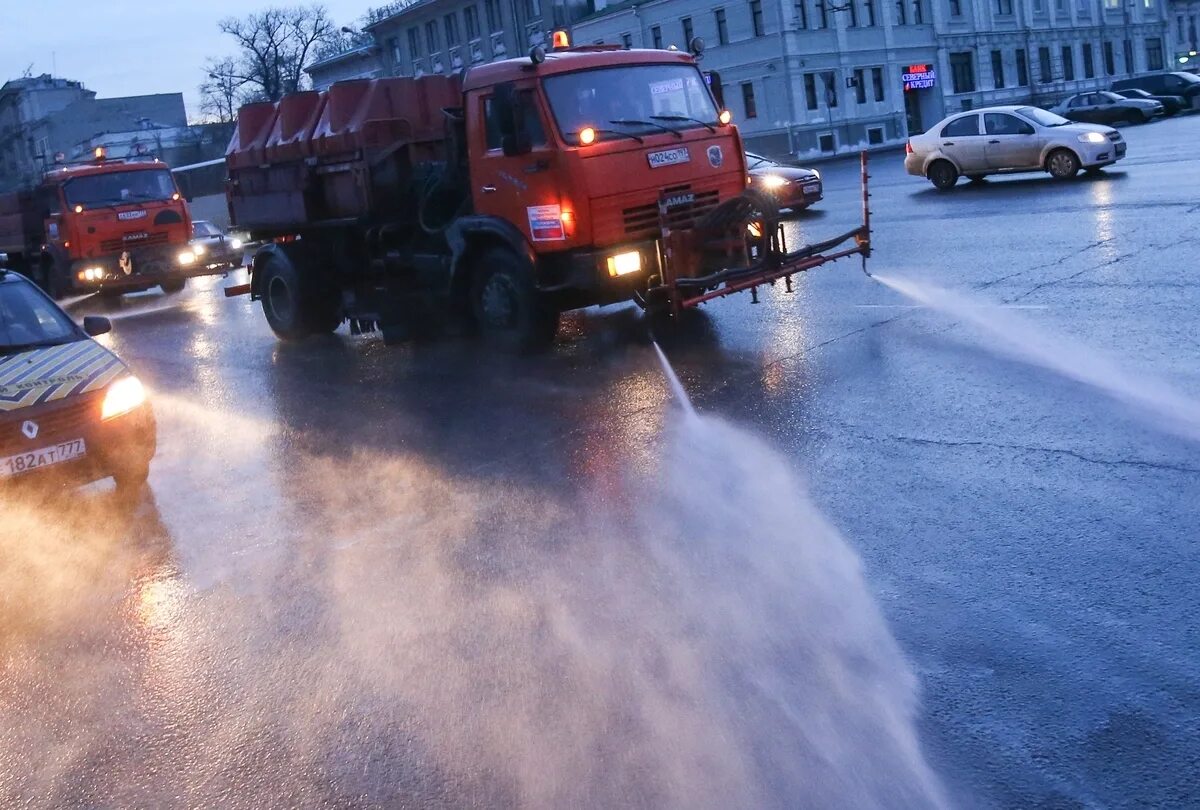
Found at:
[221, 93]
[274, 47]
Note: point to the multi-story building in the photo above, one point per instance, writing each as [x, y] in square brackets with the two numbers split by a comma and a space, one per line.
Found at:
[805, 77]
[1037, 51]
[356, 60]
[43, 116]
[1184, 19]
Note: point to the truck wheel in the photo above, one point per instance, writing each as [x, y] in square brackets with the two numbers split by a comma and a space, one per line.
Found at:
[1062, 164]
[173, 286]
[51, 280]
[295, 306]
[508, 308]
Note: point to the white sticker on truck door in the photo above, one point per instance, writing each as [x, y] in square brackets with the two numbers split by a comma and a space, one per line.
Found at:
[545, 223]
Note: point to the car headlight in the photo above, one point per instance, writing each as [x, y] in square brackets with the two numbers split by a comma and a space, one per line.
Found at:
[199, 250]
[773, 181]
[816, 173]
[186, 257]
[1092, 137]
[122, 397]
[624, 263]
[236, 243]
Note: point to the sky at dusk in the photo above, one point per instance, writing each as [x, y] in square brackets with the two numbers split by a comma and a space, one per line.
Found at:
[124, 48]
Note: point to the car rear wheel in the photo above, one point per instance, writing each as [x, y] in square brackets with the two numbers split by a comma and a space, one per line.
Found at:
[1062, 164]
[943, 175]
[509, 310]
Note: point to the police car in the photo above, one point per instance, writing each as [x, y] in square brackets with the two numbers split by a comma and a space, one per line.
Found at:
[70, 410]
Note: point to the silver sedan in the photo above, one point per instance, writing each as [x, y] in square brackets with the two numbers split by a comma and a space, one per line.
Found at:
[995, 140]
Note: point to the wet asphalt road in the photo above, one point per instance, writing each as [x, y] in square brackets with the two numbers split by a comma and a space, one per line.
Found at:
[402, 576]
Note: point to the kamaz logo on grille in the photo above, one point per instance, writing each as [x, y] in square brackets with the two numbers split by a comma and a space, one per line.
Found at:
[679, 199]
[133, 237]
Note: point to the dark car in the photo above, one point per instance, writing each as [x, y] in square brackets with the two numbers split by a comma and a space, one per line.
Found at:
[1106, 107]
[214, 248]
[1175, 83]
[1172, 105]
[70, 410]
[792, 187]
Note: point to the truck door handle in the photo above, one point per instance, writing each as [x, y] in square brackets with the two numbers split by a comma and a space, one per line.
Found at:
[995, 141]
[488, 189]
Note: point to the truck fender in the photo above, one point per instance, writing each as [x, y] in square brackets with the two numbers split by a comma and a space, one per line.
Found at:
[469, 234]
[260, 257]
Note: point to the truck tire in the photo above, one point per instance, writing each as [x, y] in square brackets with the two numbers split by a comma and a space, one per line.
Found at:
[508, 309]
[53, 280]
[173, 286]
[293, 303]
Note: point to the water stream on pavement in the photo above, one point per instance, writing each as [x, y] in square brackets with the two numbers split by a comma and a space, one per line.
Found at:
[1022, 339]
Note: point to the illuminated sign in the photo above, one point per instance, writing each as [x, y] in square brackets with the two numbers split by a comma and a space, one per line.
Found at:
[919, 77]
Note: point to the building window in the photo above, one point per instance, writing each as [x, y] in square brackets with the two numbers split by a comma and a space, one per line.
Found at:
[1128, 55]
[491, 9]
[1154, 54]
[1039, 6]
[826, 142]
[756, 17]
[1112, 4]
[1089, 63]
[656, 37]
[1068, 60]
[533, 9]
[860, 86]
[431, 37]
[1045, 74]
[1148, 3]
[1060, 5]
[918, 12]
[1004, 7]
[414, 42]
[627, 41]
[802, 14]
[1022, 68]
[688, 31]
[722, 27]
[1110, 62]
[751, 110]
[810, 91]
[955, 8]
[1084, 8]
[877, 80]
[901, 12]
[1181, 37]
[822, 15]
[451, 29]
[829, 79]
[853, 23]
[869, 8]
[998, 69]
[394, 49]
[875, 136]
[471, 21]
[962, 72]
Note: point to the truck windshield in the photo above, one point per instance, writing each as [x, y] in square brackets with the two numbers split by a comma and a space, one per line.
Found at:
[115, 188]
[29, 320]
[637, 99]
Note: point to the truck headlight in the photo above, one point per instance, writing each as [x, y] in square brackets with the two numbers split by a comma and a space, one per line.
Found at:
[186, 257]
[624, 263]
[122, 397]
[773, 181]
[1092, 137]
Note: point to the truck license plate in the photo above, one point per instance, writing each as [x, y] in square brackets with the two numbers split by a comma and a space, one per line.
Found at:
[669, 157]
[44, 457]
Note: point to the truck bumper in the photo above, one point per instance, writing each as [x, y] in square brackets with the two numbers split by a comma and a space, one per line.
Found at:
[138, 272]
[583, 278]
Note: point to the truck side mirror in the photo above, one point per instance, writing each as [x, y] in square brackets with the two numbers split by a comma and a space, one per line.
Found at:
[3, 260]
[510, 112]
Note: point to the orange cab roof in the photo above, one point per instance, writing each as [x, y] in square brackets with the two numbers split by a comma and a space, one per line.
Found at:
[566, 61]
[67, 171]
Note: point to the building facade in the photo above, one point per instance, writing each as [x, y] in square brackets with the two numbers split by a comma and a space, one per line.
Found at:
[43, 116]
[805, 78]
[1183, 17]
[358, 61]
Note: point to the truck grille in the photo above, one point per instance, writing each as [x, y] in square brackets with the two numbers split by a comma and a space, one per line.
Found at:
[641, 221]
[117, 245]
[68, 419]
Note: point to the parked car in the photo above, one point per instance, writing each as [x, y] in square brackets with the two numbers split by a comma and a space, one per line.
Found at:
[1172, 105]
[215, 248]
[70, 410]
[1106, 107]
[1175, 83]
[995, 140]
[792, 186]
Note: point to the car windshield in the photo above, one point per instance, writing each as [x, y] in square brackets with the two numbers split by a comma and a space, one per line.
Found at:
[1134, 93]
[1188, 78]
[1042, 117]
[205, 229]
[633, 99]
[114, 188]
[28, 320]
[1111, 96]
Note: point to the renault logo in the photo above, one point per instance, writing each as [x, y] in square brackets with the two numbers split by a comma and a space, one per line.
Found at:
[30, 429]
